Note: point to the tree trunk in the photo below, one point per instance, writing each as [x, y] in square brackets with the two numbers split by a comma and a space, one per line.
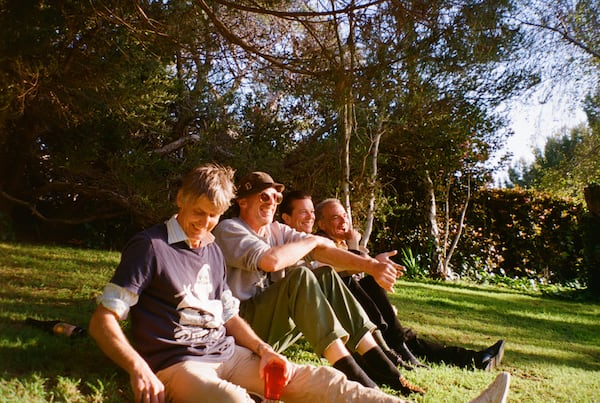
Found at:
[372, 183]
[347, 101]
[434, 232]
[461, 225]
[347, 128]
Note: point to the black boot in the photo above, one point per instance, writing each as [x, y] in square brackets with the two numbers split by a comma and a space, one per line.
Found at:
[408, 356]
[384, 372]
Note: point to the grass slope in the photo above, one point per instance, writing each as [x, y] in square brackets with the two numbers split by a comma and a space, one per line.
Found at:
[553, 346]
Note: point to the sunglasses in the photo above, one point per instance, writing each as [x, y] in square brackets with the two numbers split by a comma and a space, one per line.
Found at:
[266, 197]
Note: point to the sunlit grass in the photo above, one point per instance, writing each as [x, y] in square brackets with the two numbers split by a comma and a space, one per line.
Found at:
[553, 346]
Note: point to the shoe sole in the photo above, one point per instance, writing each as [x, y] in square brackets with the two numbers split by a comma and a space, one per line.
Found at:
[496, 392]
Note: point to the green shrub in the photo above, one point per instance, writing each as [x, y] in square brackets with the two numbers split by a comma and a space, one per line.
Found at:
[526, 235]
[509, 234]
[415, 269]
[591, 241]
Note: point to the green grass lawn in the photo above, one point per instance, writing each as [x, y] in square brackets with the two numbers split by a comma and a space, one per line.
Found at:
[552, 352]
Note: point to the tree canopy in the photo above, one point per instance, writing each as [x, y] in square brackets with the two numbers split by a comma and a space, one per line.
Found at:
[105, 104]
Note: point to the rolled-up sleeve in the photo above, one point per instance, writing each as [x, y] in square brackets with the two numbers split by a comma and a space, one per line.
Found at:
[241, 248]
[231, 305]
[117, 299]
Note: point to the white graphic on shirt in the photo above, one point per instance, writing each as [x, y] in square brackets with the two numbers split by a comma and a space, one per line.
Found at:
[200, 318]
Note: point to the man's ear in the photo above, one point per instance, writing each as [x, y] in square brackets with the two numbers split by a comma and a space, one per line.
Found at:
[286, 218]
[179, 199]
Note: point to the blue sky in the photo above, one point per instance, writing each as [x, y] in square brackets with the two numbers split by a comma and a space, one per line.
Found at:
[534, 122]
[540, 114]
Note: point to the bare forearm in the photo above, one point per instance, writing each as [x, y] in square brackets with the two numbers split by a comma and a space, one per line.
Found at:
[244, 335]
[109, 336]
[105, 329]
[280, 257]
[343, 260]
[383, 272]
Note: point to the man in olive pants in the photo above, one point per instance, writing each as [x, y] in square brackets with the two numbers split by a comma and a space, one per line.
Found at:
[282, 297]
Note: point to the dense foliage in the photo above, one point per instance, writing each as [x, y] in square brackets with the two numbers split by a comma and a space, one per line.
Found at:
[510, 234]
[108, 103]
[391, 104]
[524, 234]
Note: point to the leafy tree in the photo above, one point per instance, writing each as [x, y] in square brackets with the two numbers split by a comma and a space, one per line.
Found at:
[96, 112]
[108, 103]
[442, 127]
[568, 162]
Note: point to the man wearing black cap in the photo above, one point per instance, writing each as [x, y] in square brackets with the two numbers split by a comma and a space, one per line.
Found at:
[282, 298]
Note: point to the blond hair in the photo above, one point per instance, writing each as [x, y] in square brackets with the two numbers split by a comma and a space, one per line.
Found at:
[211, 180]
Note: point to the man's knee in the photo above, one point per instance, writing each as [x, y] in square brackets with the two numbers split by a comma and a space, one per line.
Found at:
[301, 274]
[328, 278]
[222, 392]
[324, 271]
[189, 381]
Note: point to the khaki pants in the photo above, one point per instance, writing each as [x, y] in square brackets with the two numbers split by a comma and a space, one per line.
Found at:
[192, 381]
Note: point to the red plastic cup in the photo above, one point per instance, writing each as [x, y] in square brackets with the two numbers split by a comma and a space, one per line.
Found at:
[274, 380]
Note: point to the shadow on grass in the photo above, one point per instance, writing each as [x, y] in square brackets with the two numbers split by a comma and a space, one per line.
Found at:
[50, 283]
[29, 354]
[546, 330]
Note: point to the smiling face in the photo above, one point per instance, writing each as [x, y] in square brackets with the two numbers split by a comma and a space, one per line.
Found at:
[334, 221]
[197, 217]
[302, 217]
[258, 210]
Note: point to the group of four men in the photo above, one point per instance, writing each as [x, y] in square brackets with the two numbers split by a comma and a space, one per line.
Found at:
[208, 312]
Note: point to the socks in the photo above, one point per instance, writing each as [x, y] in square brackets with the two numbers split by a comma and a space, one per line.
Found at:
[383, 371]
[353, 372]
[379, 367]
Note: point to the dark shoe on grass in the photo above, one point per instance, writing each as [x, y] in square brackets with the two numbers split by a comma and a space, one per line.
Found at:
[408, 356]
[491, 357]
[397, 360]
